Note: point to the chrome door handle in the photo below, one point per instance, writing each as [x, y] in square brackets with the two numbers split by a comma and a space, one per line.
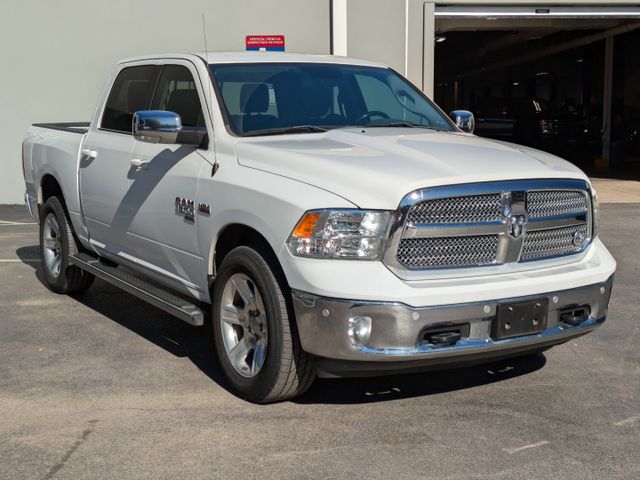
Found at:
[85, 152]
[139, 164]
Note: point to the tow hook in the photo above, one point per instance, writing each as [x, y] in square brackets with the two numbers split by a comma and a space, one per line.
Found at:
[574, 315]
[444, 335]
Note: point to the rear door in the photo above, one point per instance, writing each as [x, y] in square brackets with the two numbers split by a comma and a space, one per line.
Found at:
[163, 228]
[105, 165]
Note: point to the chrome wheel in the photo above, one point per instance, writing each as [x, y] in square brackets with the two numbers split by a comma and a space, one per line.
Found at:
[243, 321]
[52, 245]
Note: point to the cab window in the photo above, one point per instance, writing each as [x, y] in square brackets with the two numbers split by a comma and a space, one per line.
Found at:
[130, 92]
[176, 92]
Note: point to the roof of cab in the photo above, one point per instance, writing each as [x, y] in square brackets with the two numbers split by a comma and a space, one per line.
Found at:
[258, 57]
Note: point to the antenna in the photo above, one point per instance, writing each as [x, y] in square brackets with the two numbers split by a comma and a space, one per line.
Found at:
[204, 34]
[206, 55]
[214, 169]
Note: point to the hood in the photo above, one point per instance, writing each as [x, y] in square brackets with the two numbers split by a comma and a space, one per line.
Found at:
[375, 168]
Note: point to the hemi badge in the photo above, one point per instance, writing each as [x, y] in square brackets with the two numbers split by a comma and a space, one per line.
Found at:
[204, 208]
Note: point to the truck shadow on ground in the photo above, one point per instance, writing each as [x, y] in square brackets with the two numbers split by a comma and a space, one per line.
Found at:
[196, 344]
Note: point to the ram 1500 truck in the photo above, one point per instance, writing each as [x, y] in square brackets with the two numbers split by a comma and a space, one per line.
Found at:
[329, 216]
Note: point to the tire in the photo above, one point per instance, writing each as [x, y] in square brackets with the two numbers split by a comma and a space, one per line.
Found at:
[57, 244]
[270, 366]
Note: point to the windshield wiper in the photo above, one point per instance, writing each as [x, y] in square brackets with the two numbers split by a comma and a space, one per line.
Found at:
[283, 130]
[397, 124]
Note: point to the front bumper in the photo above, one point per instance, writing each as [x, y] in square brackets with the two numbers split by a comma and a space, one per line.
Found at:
[397, 331]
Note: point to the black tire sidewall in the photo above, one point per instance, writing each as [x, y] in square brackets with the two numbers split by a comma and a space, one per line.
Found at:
[250, 262]
[52, 205]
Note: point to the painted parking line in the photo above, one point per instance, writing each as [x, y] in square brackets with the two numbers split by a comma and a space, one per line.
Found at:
[20, 260]
[526, 447]
[626, 421]
[5, 223]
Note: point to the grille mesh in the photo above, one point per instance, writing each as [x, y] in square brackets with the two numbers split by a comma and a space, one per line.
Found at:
[481, 248]
[469, 209]
[552, 242]
[549, 203]
[447, 251]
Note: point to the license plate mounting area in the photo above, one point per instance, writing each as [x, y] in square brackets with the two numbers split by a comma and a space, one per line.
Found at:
[520, 318]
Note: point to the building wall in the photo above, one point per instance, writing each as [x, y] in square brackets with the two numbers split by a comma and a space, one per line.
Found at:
[376, 31]
[56, 54]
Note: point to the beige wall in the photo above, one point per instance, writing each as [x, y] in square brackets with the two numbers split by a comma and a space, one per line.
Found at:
[56, 54]
[376, 31]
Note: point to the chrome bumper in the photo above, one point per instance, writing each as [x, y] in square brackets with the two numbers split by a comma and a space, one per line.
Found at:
[326, 327]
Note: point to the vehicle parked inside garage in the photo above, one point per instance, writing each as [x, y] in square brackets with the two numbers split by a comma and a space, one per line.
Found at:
[531, 122]
[332, 219]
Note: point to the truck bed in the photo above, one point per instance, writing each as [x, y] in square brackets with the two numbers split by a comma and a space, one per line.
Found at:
[73, 127]
[54, 147]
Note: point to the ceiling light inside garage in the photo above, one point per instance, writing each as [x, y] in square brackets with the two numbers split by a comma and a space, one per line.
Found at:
[440, 39]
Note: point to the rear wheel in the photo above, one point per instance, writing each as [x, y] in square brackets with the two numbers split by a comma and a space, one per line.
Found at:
[57, 244]
[256, 341]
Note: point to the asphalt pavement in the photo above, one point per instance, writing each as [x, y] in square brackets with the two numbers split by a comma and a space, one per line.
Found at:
[103, 386]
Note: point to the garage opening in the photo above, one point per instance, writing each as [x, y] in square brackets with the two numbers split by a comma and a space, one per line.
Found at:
[564, 80]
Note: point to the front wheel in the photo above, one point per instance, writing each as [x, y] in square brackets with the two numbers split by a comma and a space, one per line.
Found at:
[255, 338]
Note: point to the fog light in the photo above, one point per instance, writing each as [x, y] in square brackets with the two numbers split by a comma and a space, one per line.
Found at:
[360, 330]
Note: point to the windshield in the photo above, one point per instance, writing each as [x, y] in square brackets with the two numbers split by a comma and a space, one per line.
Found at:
[272, 98]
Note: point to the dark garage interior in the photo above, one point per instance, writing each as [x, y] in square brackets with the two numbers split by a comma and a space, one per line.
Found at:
[567, 86]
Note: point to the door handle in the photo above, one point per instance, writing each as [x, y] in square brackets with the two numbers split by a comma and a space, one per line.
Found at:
[139, 164]
[85, 152]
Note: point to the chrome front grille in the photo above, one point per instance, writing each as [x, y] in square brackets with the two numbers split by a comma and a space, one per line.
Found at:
[551, 203]
[469, 209]
[448, 251]
[490, 224]
[552, 242]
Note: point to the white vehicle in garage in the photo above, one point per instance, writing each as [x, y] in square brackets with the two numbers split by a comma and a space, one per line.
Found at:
[329, 215]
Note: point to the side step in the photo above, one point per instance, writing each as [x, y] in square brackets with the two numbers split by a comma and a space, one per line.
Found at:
[170, 303]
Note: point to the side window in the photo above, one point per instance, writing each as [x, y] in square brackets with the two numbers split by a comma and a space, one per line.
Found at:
[176, 92]
[130, 92]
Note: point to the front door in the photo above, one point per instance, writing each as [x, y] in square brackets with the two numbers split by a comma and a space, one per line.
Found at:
[105, 163]
[162, 230]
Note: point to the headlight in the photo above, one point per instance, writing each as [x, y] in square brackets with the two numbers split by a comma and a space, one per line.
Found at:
[357, 234]
[596, 213]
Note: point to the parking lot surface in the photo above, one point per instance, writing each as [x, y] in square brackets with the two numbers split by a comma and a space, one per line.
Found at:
[103, 386]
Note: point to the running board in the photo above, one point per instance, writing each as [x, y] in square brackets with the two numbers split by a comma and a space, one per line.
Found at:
[156, 296]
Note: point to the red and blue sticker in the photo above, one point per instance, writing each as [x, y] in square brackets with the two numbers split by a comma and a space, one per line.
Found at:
[265, 43]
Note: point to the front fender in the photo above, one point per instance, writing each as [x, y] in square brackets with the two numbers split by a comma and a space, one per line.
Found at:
[268, 203]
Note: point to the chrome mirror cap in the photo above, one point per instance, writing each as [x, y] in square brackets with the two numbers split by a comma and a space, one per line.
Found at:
[156, 126]
[464, 120]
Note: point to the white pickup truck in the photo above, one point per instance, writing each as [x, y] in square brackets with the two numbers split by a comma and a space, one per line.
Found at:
[329, 216]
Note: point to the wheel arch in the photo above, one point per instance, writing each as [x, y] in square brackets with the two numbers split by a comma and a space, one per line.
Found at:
[235, 235]
[49, 186]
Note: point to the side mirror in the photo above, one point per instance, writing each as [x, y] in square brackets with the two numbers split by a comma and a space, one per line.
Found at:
[464, 120]
[156, 126]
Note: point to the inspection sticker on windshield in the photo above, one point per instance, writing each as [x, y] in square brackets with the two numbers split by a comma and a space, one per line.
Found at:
[265, 43]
